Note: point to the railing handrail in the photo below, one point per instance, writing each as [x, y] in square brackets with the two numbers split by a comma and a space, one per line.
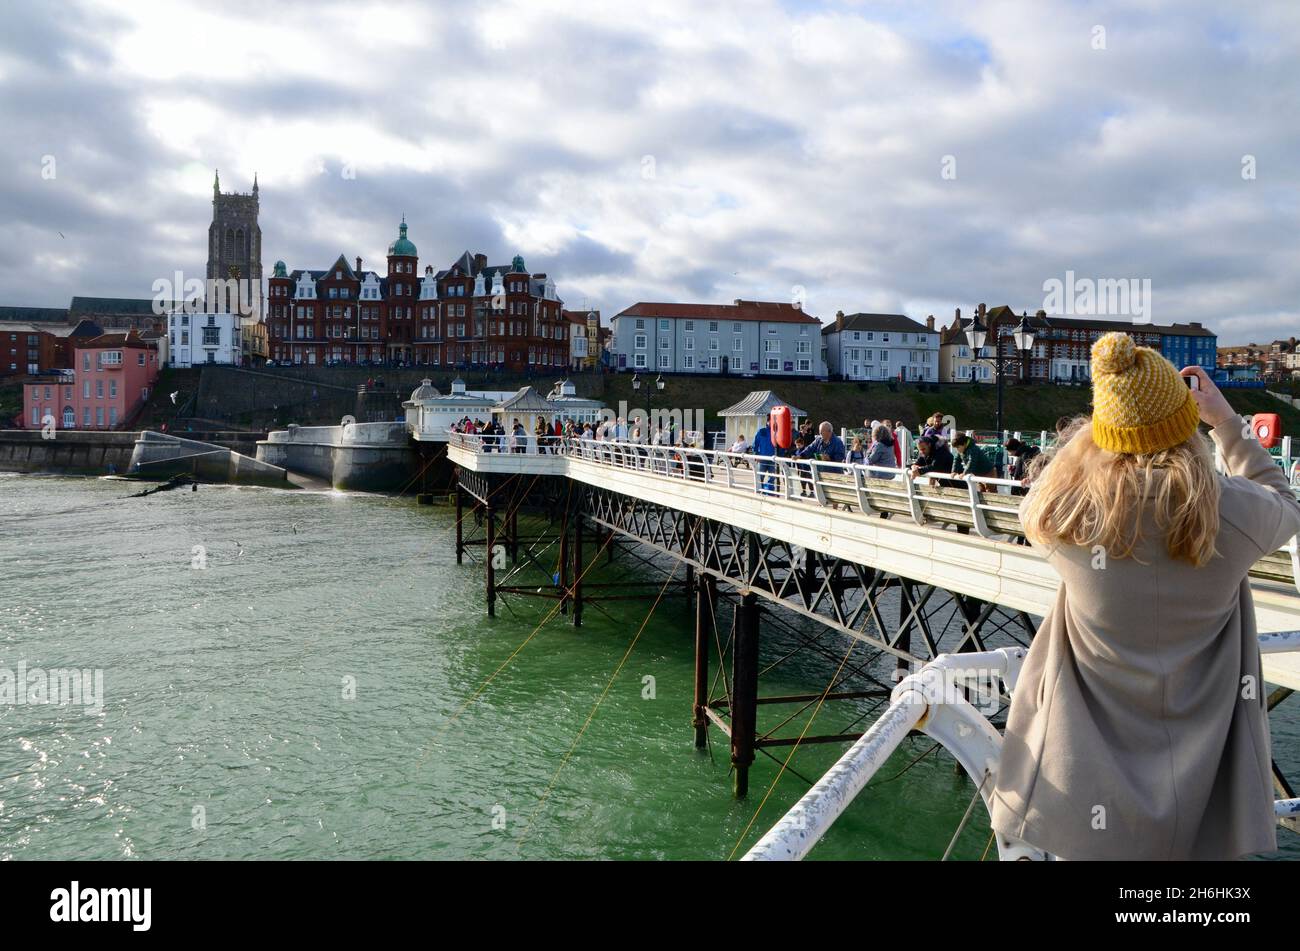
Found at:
[857, 485]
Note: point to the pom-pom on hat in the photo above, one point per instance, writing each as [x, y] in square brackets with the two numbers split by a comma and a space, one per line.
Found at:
[1140, 402]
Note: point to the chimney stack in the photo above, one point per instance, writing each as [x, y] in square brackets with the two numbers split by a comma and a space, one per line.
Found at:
[839, 321]
[929, 322]
[480, 262]
[358, 265]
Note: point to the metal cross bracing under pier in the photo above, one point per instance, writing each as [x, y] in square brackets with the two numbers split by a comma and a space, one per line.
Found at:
[763, 581]
[769, 578]
[550, 557]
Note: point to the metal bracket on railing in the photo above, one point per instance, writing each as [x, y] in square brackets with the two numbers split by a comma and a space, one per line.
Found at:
[860, 489]
[914, 501]
[819, 490]
[977, 513]
[725, 459]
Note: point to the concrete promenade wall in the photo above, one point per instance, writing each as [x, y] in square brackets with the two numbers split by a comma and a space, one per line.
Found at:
[367, 457]
[69, 451]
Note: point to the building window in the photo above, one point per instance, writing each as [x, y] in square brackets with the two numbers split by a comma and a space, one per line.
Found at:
[639, 342]
[664, 361]
[688, 362]
[805, 366]
[772, 364]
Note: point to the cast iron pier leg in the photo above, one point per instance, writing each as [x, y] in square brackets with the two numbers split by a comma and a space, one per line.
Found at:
[744, 692]
[706, 591]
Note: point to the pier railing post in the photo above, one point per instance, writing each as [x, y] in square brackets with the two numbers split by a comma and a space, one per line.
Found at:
[490, 516]
[565, 519]
[577, 565]
[460, 521]
[706, 603]
[744, 692]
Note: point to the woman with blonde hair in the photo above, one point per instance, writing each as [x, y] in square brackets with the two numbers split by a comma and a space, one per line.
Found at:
[1138, 727]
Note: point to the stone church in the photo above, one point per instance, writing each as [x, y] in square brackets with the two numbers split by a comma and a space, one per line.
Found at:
[235, 238]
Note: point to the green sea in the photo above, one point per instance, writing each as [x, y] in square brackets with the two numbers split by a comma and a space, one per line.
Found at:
[310, 675]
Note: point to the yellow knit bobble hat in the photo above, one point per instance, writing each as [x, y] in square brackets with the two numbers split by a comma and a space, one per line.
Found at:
[1140, 402]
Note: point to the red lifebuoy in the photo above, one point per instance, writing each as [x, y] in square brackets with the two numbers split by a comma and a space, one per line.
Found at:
[1267, 428]
[782, 427]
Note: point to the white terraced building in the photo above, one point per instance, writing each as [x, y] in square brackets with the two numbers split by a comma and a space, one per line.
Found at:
[196, 339]
[747, 338]
[881, 347]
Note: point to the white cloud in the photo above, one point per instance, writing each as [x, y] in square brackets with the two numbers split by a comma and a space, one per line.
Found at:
[789, 146]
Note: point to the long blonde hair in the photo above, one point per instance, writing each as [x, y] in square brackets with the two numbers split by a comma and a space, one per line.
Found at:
[1087, 496]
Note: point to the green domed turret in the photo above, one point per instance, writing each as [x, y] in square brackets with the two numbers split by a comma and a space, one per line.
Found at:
[518, 265]
[402, 246]
[280, 270]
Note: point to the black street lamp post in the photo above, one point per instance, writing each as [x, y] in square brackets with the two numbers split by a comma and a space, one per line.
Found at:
[979, 336]
[649, 395]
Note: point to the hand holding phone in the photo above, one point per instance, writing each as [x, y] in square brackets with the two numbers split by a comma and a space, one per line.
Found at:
[1214, 408]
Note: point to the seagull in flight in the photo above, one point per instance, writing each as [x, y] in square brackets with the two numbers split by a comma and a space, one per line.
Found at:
[174, 395]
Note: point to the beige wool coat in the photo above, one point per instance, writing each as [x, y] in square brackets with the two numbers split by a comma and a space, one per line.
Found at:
[1138, 727]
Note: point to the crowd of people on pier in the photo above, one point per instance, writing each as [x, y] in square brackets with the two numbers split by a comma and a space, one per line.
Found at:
[545, 436]
[940, 454]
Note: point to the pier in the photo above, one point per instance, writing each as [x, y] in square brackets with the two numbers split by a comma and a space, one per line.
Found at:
[839, 544]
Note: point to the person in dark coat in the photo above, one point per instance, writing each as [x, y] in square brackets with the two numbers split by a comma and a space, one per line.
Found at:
[827, 447]
[932, 456]
[765, 449]
[970, 460]
[1021, 456]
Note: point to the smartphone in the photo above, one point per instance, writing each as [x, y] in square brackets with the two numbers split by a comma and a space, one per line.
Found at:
[1193, 382]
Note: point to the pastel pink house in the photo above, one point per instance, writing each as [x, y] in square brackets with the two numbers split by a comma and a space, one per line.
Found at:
[110, 380]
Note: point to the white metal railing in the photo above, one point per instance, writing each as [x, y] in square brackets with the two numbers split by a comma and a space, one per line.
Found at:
[528, 444]
[868, 490]
[935, 701]
[858, 487]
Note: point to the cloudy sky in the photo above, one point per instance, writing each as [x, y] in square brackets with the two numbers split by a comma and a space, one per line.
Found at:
[912, 157]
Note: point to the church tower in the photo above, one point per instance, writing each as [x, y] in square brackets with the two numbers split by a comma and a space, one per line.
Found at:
[235, 239]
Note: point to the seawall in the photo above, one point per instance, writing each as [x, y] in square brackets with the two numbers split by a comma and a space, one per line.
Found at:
[366, 457]
[67, 451]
